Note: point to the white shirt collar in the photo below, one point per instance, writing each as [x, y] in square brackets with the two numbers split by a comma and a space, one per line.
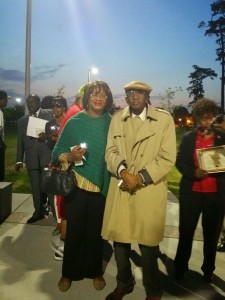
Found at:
[142, 116]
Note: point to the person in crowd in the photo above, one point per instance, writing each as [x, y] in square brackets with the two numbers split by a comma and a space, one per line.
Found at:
[141, 150]
[82, 142]
[60, 202]
[46, 102]
[34, 152]
[200, 192]
[74, 109]
[3, 103]
[221, 247]
[50, 136]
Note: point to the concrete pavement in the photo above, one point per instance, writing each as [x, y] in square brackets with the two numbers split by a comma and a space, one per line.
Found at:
[29, 271]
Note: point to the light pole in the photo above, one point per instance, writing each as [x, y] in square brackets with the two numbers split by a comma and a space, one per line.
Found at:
[93, 71]
[28, 51]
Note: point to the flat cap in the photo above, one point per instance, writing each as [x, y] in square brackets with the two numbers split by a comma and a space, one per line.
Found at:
[138, 85]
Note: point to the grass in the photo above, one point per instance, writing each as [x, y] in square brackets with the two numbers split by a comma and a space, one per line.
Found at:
[20, 179]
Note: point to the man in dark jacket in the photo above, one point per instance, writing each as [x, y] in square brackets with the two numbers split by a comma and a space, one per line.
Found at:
[34, 152]
[3, 103]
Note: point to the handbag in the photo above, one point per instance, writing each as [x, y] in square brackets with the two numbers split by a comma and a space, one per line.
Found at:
[56, 181]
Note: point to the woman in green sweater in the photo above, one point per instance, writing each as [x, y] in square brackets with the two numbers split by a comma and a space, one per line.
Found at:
[83, 142]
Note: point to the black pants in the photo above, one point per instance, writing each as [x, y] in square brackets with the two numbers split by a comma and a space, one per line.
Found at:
[39, 198]
[2, 160]
[211, 205]
[83, 250]
[150, 270]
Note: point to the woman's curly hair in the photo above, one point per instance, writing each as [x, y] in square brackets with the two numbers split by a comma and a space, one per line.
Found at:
[97, 85]
[204, 106]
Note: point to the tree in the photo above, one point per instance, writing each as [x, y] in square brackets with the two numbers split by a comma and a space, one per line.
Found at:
[166, 100]
[216, 27]
[181, 116]
[13, 114]
[196, 88]
[61, 91]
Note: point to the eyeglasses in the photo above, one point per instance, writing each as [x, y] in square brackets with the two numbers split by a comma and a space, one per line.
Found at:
[57, 105]
[132, 93]
[99, 96]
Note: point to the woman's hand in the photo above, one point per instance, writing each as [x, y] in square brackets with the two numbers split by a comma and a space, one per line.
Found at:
[200, 174]
[76, 154]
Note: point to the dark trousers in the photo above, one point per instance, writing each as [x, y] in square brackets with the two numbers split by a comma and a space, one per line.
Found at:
[211, 205]
[150, 270]
[83, 249]
[2, 162]
[39, 198]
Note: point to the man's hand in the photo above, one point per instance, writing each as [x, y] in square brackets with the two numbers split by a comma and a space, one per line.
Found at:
[42, 136]
[131, 182]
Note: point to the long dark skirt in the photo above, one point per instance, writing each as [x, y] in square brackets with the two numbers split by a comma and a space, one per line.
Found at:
[83, 249]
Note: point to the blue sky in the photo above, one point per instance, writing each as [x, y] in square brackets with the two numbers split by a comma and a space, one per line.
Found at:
[156, 41]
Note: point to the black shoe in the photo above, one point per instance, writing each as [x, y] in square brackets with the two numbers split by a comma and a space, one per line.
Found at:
[119, 293]
[208, 277]
[34, 219]
[221, 247]
[178, 274]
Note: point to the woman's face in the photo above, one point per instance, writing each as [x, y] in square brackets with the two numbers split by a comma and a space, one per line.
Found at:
[97, 102]
[206, 120]
[58, 109]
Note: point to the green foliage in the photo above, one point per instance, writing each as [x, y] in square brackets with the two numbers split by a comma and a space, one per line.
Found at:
[13, 114]
[196, 88]
[174, 181]
[215, 27]
[20, 179]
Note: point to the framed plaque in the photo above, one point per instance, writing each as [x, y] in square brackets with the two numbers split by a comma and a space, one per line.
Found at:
[212, 159]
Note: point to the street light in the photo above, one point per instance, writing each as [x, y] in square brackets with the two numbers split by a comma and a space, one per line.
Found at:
[28, 51]
[93, 71]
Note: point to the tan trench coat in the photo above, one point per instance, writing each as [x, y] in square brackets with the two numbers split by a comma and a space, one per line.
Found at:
[139, 218]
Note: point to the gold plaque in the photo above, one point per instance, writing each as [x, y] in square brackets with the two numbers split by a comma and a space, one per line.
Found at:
[212, 159]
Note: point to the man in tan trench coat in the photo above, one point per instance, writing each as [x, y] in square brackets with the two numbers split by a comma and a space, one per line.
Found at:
[141, 150]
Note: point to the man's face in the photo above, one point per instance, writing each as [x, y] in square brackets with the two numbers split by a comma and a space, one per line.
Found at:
[33, 105]
[3, 102]
[137, 100]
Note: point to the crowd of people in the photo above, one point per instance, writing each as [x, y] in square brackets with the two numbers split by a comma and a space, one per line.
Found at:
[120, 163]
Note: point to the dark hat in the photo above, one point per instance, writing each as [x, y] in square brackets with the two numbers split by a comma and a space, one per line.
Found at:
[3, 95]
[138, 85]
[59, 101]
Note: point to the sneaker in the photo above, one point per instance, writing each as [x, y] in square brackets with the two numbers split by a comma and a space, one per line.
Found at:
[58, 256]
[55, 232]
[59, 252]
[221, 247]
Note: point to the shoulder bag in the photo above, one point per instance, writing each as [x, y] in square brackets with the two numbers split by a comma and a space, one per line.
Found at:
[56, 181]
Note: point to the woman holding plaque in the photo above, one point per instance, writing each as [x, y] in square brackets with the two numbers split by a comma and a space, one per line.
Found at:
[201, 192]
